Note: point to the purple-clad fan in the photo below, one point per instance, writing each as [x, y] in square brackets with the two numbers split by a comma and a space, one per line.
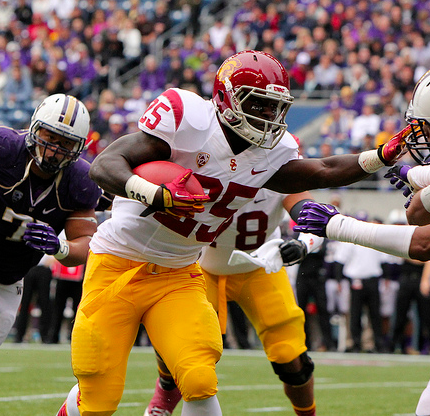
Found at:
[44, 188]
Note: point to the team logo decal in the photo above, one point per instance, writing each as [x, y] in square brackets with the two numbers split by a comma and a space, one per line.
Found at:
[233, 165]
[202, 159]
[16, 196]
[228, 68]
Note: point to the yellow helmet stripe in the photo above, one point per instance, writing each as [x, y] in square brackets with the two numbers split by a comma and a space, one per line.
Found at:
[69, 110]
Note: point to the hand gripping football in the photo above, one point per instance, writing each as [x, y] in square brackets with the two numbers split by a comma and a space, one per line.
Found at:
[182, 193]
[162, 171]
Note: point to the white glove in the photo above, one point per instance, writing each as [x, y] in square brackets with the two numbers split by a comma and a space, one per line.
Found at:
[267, 256]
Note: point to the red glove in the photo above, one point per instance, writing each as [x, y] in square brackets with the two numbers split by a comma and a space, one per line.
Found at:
[177, 201]
[393, 149]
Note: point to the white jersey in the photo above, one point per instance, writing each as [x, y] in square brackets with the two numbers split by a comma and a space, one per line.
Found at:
[253, 225]
[189, 125]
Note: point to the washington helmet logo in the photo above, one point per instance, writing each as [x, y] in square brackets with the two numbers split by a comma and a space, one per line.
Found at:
[202, 159]
[227, 69]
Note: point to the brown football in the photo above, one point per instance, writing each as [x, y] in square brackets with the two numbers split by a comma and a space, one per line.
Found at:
[162, 171]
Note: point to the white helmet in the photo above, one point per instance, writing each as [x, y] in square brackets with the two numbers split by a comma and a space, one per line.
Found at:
[61, 114]
[418, 114]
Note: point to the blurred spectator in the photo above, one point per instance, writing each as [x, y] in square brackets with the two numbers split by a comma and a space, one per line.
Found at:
[35, 297]
[24, 12]
[114, 47]
[3, 80]
[370, 95]
[39, 76]
[366, 123]
[218, 33]
[299, 70]
[295, 21]
[189, 81]
[259, 23]
[390, 112]
[131, 39]
[310, 286]
[152, 81]
[409, 291]
[18, 91]
[161, 17]
[244, 13]
[116, 128]
[336, 128]
[389, 129]
[6, 15]
[350, 101]
[57, 81]
[174, 73]
[356, 76]
[38, 29]
[81, 72]
[244, 37]
[101, 56]
[272, 16]
[136, 103]
[5, 58]
[131, 121]
[99, 22]
[363, 267]
[207, 81]
[326, 72]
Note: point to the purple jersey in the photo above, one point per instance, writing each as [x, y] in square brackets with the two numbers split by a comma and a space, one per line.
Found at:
[34, 200]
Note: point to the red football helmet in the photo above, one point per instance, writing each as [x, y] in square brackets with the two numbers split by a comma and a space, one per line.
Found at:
[253, 75]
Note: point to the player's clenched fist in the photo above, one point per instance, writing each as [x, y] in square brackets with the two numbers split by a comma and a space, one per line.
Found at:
[175, 198]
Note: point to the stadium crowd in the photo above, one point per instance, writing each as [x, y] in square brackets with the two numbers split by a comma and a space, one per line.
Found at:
[363, 58]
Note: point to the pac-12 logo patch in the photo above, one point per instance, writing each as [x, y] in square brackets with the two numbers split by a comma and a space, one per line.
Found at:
[202, 159]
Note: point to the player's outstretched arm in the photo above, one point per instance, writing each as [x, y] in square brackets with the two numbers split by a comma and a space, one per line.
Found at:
[408, 241]
[334, 171]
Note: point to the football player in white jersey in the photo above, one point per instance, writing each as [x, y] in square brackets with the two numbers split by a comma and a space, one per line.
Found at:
[144, 269]
[264, 294]
[408, 241]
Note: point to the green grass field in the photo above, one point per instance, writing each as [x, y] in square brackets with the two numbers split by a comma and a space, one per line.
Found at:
[35, 379]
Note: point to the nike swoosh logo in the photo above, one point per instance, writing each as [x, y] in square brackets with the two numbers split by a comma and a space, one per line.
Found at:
[195, 275]
[256, 201]
[256, 172]
[178, 195]
[47, 211]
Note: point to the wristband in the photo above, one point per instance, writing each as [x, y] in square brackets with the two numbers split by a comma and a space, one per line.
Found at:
[425, 198]
[296, 208]
[140, 189]
[369, 161]
[63, 251]
[391, 239]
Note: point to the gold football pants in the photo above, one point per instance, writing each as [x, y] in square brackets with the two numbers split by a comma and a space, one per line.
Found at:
[118, 295]
[269, 303]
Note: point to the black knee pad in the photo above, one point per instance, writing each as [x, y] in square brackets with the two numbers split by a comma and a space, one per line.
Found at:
[299, 378]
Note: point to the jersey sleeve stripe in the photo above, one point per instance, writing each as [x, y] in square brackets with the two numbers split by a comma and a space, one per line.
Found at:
[177, 106]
